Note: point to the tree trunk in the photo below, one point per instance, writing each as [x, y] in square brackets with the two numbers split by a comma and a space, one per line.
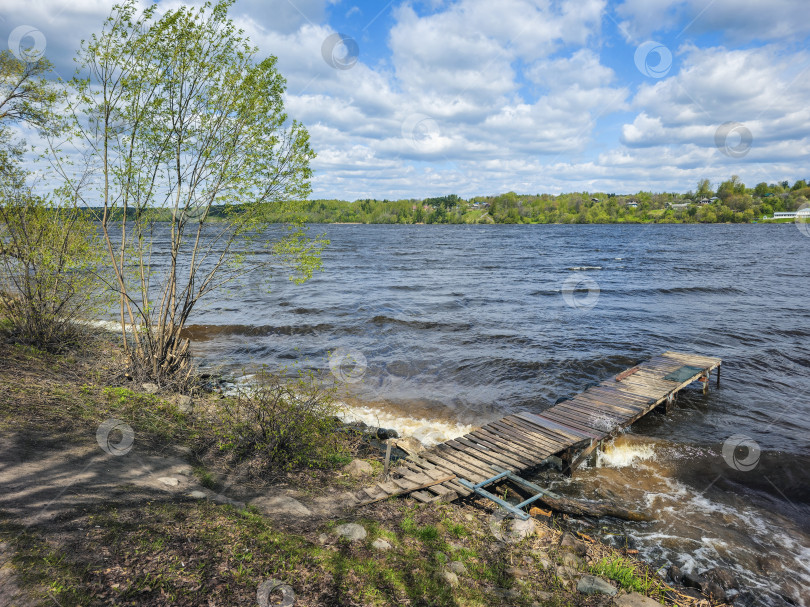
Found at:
[578, 508]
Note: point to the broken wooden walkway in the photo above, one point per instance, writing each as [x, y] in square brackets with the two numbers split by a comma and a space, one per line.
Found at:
[571, 430]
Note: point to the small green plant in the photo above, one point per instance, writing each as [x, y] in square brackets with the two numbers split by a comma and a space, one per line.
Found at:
[148, 414]
[455, 529]
[207, 479]
[626, 573]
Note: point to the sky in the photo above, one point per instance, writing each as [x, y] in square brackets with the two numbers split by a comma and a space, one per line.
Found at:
[476, 97]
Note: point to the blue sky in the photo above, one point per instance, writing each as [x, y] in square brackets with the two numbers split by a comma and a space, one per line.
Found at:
[414, 99]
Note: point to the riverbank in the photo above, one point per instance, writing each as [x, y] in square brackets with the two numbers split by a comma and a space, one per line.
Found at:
[156, 519]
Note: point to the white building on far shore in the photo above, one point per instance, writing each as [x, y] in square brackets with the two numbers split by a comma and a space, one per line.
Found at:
[801, 214]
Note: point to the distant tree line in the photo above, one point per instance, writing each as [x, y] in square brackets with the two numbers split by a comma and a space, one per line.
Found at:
[730, 202]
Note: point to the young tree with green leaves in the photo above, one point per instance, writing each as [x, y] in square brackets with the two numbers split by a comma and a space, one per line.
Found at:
[177, 112]
[26, 97]
[49, 266]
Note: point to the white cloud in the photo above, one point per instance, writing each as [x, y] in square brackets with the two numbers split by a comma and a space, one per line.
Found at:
[738, 22]
[759, 87]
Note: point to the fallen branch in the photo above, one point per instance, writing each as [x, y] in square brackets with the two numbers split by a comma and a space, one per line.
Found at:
[578, 508]
[575, 507]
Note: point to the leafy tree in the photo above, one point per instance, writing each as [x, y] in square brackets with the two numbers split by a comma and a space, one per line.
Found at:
[704, 189]
[26, 97]
[801, 183]
[706, 214]
[178, 113]
[761, 189]
[730, 188]
[49, 252]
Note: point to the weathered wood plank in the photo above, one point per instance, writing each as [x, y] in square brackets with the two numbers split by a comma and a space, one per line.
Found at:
[508, 462]
[565, 434]
[559, 416]
[589, 407]
[484, 456]
[627, 373]
[555, 433]
[422, 466]
[528, 455]
[521, 438]
[465, 460]
[459, 471]
[513, 440]
[535, 432]
[423, 496]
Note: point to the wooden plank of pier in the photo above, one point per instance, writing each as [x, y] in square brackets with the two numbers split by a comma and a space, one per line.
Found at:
[570, 429]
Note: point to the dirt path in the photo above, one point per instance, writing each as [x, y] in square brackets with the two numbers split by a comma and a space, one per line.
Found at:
[45, 480]
[46, 483]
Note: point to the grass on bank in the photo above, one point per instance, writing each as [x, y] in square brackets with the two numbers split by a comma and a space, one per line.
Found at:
[627, 575]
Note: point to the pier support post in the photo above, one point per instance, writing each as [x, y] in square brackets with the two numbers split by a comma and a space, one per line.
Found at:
[567, 458]
[387, 460]
[718, 375]
[704, 379]
[667, 404]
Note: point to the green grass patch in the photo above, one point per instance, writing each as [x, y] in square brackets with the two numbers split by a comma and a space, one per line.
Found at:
[628, 575]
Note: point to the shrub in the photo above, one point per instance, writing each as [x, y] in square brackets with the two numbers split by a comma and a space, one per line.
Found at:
[49, 257]
[282, 423]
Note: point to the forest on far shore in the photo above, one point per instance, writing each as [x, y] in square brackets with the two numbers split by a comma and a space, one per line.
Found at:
[730, 202]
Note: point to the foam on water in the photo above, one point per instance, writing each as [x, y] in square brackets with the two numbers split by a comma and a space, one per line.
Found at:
[427, 431]
[113, 326]
[697, 528]
[621, 454]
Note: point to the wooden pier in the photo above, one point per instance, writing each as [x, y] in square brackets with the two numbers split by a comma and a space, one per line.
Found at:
[570, 430]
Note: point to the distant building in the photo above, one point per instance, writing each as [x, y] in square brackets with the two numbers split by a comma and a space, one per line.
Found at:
[680, 205]
[704, 201]
[594, 200]
[632, 204]
[801, 213]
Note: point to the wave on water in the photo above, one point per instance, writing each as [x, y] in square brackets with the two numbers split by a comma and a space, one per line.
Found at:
[209, 332]
[583, 268]
[422, 324]
[113, 326]
[701, 519]
[725, 290]
[621, 454]
[429, 432]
